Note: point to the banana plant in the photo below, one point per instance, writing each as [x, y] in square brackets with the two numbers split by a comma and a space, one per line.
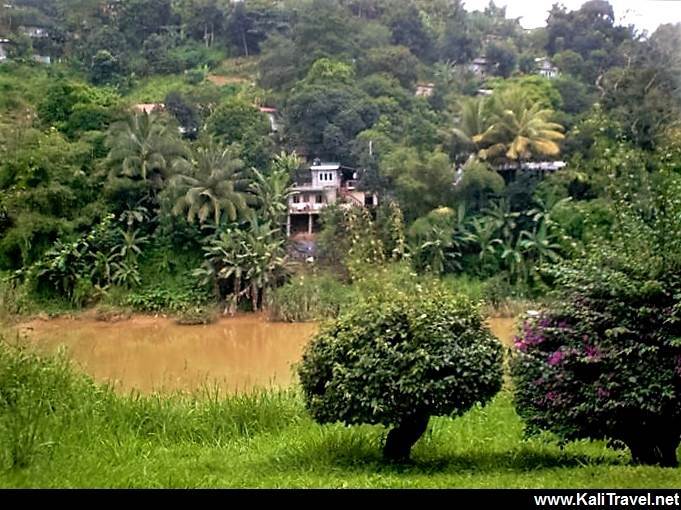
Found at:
[483, 234]
[512, 256]
[539, 244]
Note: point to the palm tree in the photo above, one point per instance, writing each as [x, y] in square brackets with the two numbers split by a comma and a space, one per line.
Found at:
[211, 185]
[519, 130]
[473, 122]
[143, 146]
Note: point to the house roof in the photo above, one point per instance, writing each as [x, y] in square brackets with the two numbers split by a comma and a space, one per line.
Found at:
[265, 109]
[148, 107]
[325, 166]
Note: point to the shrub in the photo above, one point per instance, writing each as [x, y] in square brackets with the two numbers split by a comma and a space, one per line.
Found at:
[159, 299]
[397, 360]
[196, 315]
[604, 361]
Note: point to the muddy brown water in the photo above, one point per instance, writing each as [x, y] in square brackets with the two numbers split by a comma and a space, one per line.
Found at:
[156, 354]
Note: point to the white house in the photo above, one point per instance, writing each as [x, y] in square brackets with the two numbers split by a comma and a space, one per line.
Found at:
[329, 183]
[34, 32]
[544, 67]
[424, 89]
[479, 67]
[3, 49]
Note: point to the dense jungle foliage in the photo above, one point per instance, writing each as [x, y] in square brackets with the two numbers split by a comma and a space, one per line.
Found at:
[137, 168]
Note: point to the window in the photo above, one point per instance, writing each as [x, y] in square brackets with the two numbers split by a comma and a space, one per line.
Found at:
[296, 199]
[318, 198]
[368, 200]
[306, 199]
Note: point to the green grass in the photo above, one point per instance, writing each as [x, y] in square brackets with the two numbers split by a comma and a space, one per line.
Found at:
[241, 67]
[154, 89]
[68, 432]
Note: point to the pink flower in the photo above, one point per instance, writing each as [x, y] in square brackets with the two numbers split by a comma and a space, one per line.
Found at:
[551, 396]
[592, 352]
[602, 392]
[556, 358]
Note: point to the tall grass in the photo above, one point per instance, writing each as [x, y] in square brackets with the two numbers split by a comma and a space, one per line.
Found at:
[59, 429]
[44, 400]
[308, 297]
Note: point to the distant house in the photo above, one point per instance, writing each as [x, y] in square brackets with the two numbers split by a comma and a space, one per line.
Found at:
[424, 89]
[540, 166]
[34, 32]
[544, 67]
[4, 43]
[272, 115]
[149, 107]
[330, 183]
[479, 67]
[41, 59]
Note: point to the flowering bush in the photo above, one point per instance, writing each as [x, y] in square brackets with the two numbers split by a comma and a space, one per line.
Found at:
[398, 358]
[605, 362]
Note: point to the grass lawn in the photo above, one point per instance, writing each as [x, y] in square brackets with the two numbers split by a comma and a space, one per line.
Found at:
[267, 440]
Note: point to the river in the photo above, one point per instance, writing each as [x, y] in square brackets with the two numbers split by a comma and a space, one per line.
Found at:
[150, 353]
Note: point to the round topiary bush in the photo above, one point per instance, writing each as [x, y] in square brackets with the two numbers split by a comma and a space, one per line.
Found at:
[604, 362]
[397, 361]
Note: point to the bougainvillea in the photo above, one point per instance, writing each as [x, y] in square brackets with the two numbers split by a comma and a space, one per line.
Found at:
[604, 363]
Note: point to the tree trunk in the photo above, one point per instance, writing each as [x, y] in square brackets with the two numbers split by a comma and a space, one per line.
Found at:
[655, 448]
[401, 438]
[254, 297]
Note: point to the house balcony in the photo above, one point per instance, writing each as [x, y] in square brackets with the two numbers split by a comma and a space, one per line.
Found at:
[305, 207]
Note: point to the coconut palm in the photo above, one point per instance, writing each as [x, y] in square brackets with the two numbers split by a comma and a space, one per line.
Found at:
[213, 184]
[519, 130]
[143, 146]
[474, 120]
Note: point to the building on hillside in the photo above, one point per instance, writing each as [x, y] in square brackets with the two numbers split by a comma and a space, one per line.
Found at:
[330, 183]
[34, 32]
[479, 67]
[272, 115]
[148, 108]
[544, 67]
[4, 43]
[424, 89]
[548, 166]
